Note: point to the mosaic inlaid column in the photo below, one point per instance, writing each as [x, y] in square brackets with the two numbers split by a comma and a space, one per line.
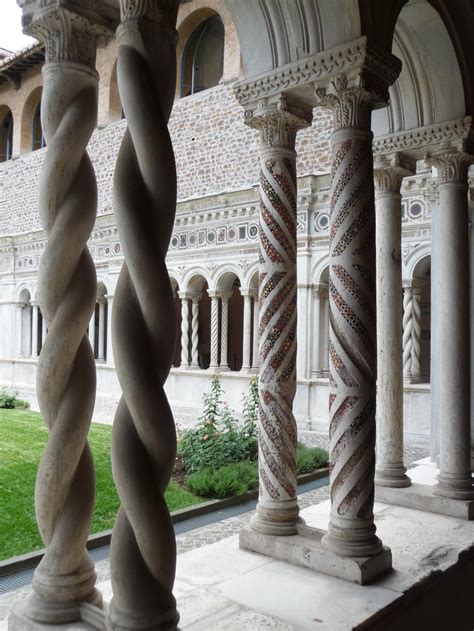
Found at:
[352, 334]
[213, 295]
[143, 547]
[34, 329]
[66, 380]
[185, 363]
[195, 331]
[247, 332]
[224, 341]
[255, 320]
[277, 509]
[389, 175]
[450, 348]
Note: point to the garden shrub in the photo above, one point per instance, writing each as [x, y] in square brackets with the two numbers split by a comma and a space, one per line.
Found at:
[310, 458]
[10, 401]
[231, 480]
[219, 439]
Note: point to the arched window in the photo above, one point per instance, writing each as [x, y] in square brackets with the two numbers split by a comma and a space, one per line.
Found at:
[203, 58]
[6, 137]
[38, 141]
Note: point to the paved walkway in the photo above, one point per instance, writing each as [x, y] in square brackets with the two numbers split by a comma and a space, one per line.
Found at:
[205, 535]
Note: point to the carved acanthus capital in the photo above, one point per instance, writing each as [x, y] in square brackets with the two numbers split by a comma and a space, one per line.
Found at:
[278, 122]
[163, 14]
[389, 172]
[67, 35]
[352, 102]
[452, 165]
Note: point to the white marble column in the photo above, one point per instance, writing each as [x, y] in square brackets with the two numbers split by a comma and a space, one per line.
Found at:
[352, 343]
[110, 350]
[34, 329]
[44, 332]
[143, 546]
[92, 331]
[450, 348]
[195, 331]
[66, 380]
[101, 344]
[316, 333]
[214, 296]
[185, 363]
[324, 319]
[225, 296]
[389, 174]
[19, 329]
[247, 333]
[407, 325]
[278, 123]
[255, 331]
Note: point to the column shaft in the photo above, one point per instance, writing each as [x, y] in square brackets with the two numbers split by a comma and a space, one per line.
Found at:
[224, 362]
[390, 470]
[324, 347]
[255, 333]
[92, 332]
[101, 346]
[416, 335]
[195, 333]
[451, 358]
[110, 354]
[184, 330]
[247, 338]
[214, 330]
[316, 331]
[407, 339]
[34, 330]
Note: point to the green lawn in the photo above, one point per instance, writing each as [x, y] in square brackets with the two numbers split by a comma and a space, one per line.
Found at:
[22, 439]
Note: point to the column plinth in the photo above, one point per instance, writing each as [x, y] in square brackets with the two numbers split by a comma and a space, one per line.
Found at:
[389, 174]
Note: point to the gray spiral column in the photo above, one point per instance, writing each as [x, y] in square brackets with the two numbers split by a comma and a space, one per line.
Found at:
[277, 509]
[66, 379]
[143, 547]
[352, 336]
[389, 174]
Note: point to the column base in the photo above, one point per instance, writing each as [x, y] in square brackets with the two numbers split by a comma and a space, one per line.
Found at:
[392, 476]
[305, 550]
[281, 520]
[423, 497]
[454, 488]
[119, 620]
[88, 618]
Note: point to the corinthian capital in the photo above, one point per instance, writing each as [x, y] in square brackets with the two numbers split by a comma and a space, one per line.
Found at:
[68, 31]
[278, 122]
[452, 165]
[352, 103]
[389, 172]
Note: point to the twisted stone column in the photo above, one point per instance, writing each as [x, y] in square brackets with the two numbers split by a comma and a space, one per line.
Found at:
[416, 333]
[247, 325]
[407, 323]
[143, 548]
[224, 346]
[352, 334]
[389, 175]
[184, 329]
[66, 292]
[450, 382]
[195, 332]
[213, 295]
[277, 509]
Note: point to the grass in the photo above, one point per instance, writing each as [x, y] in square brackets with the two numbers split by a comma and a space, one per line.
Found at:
[23, 436]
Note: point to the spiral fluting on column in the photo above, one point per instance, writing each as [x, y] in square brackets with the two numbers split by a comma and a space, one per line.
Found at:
[407, 340]
[224, 331]
[195, 333]
[66, 370]
[277, 332]
[416, 336]
[184, 331]
[352, 347]
[143, 548]
[214, 330]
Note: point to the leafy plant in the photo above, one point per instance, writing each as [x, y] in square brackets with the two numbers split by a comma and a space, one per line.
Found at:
[10, 401]
[219, 439]
[310, 458]
[233, 479]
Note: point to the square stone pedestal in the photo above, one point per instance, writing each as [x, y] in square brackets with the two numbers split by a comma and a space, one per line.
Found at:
[420, 496]
[93, 619]
[304, 549]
